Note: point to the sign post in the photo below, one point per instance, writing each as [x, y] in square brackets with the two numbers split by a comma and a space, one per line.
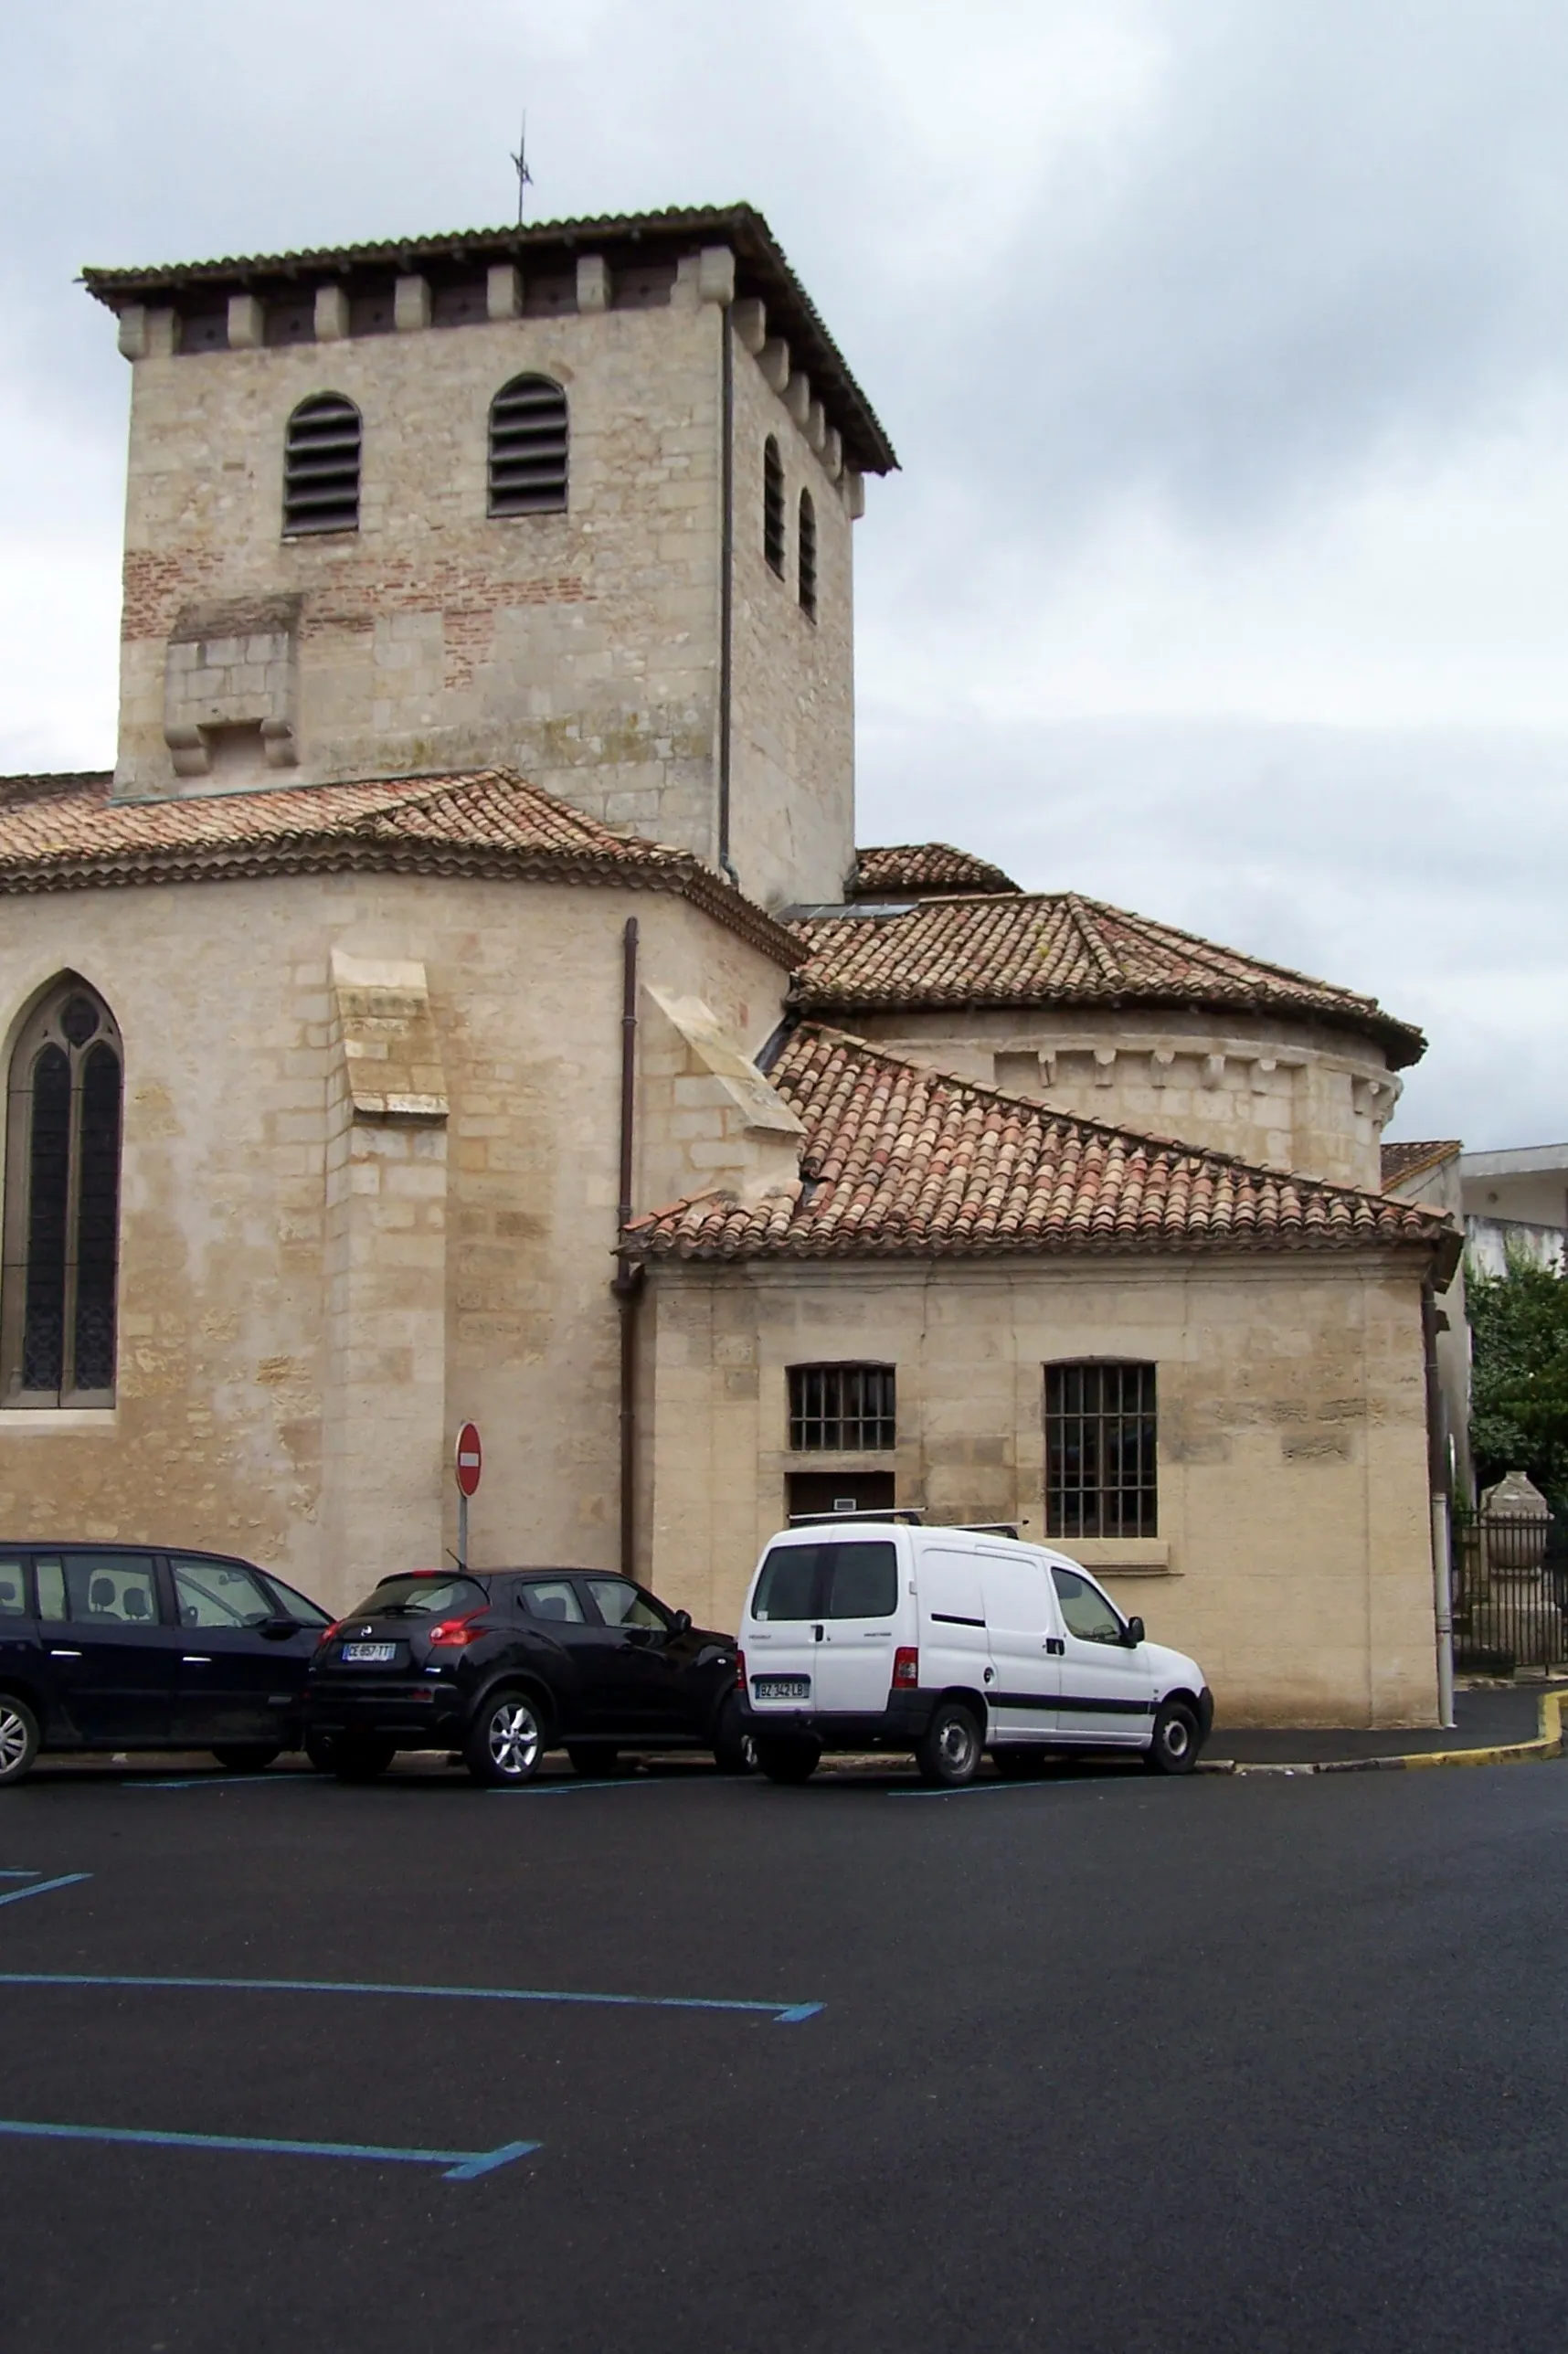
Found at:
[468, 1463]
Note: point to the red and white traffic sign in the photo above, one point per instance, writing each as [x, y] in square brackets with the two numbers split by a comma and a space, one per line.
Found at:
[470, 1458]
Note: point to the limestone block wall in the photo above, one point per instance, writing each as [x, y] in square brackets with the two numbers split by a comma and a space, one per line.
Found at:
[1292, 1557]
[316, 1290]
[1288, 1095]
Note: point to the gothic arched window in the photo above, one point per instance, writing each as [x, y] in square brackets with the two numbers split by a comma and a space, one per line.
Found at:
[321, 466]
[62, 1205]
[528, 448]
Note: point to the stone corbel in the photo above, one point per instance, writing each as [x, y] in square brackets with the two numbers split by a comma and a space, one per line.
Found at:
[715, 274]
[412, 303]
[833, 453]
[798, 396]
[593, 283]
[1213, 1070]
[331, 313]
[1161, 1063]
[247, 323]
[133, 337]
[1105, 1066]
[854, 492]
[751, 322]
[503, 291]
[1262, 1070]
[773, 359]
[278, 749]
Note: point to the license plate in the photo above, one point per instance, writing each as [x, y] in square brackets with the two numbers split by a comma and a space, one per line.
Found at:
[781, 1686]
[370, 1655]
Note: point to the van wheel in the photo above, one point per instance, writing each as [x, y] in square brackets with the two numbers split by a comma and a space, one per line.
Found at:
[1020, 1764]
[1174, 1748]
[735, 1749]
[949, 1752]
[783, 1760]
[505, 1740]
[359, 1758]
[19, 1738]
[241, 1757]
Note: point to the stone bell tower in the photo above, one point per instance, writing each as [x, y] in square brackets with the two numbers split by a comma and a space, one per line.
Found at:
[575, 499]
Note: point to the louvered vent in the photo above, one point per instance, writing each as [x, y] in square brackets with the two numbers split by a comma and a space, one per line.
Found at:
[773, 505]
[321, 466]
[808, 566]
[528, 448]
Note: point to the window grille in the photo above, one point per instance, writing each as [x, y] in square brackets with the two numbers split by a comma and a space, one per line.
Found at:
[528, 448]
[846, 1409]
[773, 505]
[1100, 1436]
[62, 1205]
[806, 569]
[321, 466]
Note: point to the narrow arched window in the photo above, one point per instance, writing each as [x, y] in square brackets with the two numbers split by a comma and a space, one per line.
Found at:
[62, 1205]
[321, 466]
[806, 572]
[773, 505]
[528, 448]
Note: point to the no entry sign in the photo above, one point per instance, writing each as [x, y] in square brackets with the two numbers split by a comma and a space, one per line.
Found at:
[470, 1458]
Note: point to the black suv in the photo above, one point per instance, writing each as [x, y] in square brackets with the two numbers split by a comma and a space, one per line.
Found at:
[504, 1664]
[131, 1647]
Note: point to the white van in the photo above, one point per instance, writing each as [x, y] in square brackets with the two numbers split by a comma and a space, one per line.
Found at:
[948, 1642]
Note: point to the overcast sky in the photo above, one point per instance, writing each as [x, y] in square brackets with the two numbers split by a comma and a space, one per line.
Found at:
[1225, 344]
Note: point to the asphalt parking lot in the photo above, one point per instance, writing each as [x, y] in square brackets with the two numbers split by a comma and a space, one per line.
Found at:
[1099, 2062]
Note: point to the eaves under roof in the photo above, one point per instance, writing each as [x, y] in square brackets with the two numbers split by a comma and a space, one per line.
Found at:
[1038, 949]
[761, 270]
[899, 1162]
[65, 833]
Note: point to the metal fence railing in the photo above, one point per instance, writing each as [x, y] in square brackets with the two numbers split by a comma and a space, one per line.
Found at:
[1510, 1593]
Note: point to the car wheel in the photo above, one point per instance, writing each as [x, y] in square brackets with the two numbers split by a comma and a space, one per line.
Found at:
[19, 1738]
[241, 1757]
[735, 1749]
[505, 1740]
[1015, 1764]
[949, 1752]
[1174, 1748]
[784, 1760]
[598, 1765]
[357, 1757]
[321, 1748]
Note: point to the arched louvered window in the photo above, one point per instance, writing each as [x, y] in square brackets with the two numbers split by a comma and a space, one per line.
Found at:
[62, 1205]
[773, 505]
[806, 572]
[528, 448]
[321, 466]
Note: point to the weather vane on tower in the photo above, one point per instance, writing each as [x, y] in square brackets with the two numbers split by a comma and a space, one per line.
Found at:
[520, 165]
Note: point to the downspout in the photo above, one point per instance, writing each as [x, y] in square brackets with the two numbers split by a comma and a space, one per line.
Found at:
[627, 1283]
[727, 583]
[1438, 1482]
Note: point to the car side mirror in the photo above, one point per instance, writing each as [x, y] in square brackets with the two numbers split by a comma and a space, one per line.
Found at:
[681, 1623]
[1134, 1634]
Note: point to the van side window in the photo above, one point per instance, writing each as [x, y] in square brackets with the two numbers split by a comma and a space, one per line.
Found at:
[788, 1586]
[1087, 1612]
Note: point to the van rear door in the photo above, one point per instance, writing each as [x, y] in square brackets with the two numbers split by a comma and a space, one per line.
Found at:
[781, 1633]
[1025, 1644]
[859, 1594]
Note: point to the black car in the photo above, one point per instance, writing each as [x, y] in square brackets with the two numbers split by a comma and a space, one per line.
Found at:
[128, 1647]
[504, 1664]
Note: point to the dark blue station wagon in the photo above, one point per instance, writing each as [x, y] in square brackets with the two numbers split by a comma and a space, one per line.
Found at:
[130, 1647]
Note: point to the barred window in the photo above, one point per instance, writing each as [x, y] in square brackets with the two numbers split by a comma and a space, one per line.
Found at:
[773, 507]
[806, 569]
[846, 1409]
[62, 1205]
[321, 466]
[1100, 1430]
[528, 448]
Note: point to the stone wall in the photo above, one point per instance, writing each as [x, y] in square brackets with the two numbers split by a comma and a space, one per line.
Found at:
[329, 1262]
[1280, 1093]
[1292, 1557]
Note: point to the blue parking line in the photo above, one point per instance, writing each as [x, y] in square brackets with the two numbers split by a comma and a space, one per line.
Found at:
[970, 1791]
[10, 1871]
[783, 2014]
[565, 1789]
[221, 1781]
[42, 1887]
[457, 2165]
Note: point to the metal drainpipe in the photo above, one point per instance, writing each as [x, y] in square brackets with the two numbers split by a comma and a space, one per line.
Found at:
[1439, 1480]
[627, 1283]
[727, 584]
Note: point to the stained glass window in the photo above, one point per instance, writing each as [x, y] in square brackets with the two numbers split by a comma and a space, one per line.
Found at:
[62, 1205]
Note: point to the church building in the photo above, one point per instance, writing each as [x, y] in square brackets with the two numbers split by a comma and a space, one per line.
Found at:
[465, 1000]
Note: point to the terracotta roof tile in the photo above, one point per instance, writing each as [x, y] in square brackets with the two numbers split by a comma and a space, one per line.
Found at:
[899, 1162]
[918, 867]
[62, 834]
[1057, 949]
[1403, 1160]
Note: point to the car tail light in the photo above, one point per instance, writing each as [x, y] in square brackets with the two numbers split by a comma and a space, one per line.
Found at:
[452, 1634]
[740, 1671]
[324, 1638]
[906, 1667]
